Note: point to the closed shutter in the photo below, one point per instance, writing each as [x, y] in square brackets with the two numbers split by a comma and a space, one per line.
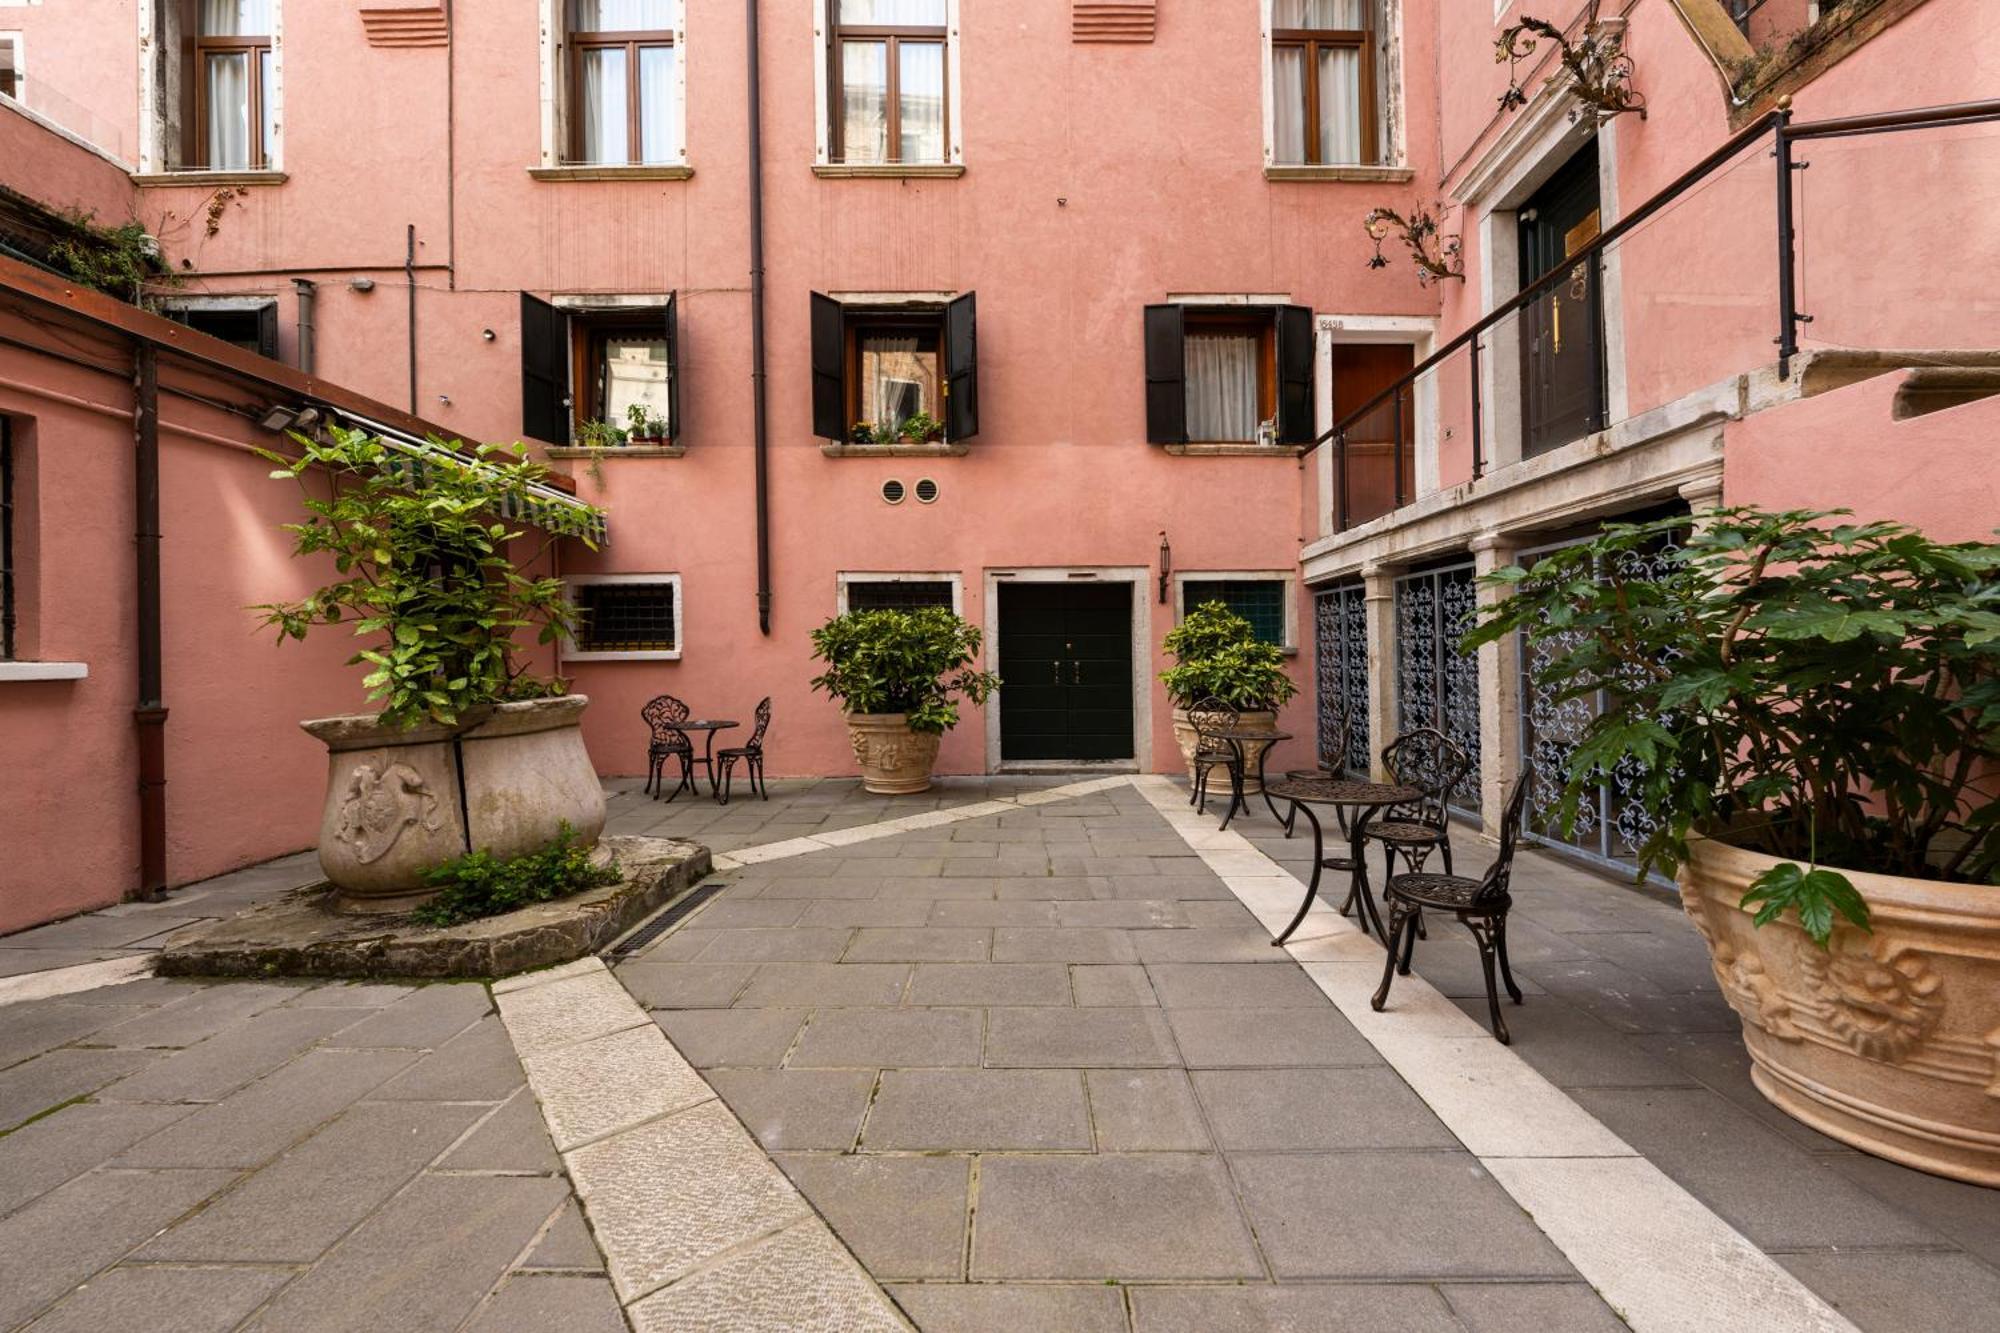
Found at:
[673, 323]
[1296, 424]
[544, 371]
[961, 369]
[829, 363]
[267, 330]
[1166, 374]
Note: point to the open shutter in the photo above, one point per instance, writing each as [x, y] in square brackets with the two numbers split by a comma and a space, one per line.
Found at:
[544, 371]
[267, 330]
[961, 369]
[829, 364]
[673, 323]
[1296, 423]
[1166, 374]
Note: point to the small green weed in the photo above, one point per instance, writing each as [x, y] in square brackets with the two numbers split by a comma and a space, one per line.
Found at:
[479, 884]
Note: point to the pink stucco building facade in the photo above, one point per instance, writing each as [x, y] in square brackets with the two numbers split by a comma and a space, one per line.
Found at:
[505, 221]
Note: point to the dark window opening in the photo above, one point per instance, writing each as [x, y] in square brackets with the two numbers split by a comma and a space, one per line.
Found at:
[1259, 601]
[10, 67]
[1229, 374]
[895, 375]
[626, 618]
[251, 325]
[7, 606]
[898, 595]
[600, 377]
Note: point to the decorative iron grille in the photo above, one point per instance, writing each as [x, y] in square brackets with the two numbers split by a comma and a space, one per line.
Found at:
[1436, 684]
[626, 617]
[1609, 829]
[1340, 638]
[897, 595]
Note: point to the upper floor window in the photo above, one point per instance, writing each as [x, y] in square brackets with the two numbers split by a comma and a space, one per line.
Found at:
[1229, 374]
[890, 81]
[11, 74]
[895, 373]
[1325, 85]
[598, 368]
[624, 82]
[234, 116]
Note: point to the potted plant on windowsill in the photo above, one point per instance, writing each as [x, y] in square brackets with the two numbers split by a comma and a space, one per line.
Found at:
[1218, 655]
[1805, 715]
[897, 674]
[922, 428]
[471, 752]
[645, 428]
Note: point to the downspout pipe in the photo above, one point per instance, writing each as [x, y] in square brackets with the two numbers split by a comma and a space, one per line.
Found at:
[410, 285]
[761, 426]
[308, 293]
[150, 714]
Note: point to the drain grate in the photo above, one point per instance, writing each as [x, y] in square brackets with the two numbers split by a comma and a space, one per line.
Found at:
[665, 921]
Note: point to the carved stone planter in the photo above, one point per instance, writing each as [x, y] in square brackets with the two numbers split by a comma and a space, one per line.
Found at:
[1888, 1040]
[399, 801]
[1252, 750]
[894, 760]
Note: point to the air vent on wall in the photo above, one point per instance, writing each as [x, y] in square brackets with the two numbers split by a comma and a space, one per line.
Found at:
[406, 25]
[927, 491]
[1112, 20]
[892, 492]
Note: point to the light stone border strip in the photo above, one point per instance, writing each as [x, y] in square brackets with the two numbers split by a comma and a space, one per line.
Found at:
[1659, 1256]
[60, 981]
[699, 1227]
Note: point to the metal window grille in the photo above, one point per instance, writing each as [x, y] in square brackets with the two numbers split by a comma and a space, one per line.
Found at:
[7, 614]
[897, 595]
[1609, 828]
[1340, 634]
[1259, 601]
[1436, 684]
[626, 618]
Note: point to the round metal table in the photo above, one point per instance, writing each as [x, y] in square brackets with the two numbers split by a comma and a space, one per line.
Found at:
[1238, 737]
[707, 761]
[1364, 799]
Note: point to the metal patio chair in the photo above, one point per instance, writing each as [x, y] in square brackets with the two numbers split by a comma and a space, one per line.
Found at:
[1434, 764]
[667, 742]
[750, 754]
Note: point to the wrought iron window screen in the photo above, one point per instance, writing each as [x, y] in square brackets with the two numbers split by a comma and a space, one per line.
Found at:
[626, 617]
[1436, 684]
[1340, 634]
[898, 595]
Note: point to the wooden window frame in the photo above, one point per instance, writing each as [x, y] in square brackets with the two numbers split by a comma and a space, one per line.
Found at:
[922, 322]
[894, 36]
[1312, 41]
[633, 42]
[256, 47]
[1255, 321]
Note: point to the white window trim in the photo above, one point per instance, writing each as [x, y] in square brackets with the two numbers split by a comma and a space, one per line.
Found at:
[1420, 331]
[846, 579]
[17, 39]
[822, 95]
[1287, 577]
[152, 130]
[570, 653]
[1395, 149]
[555, 122]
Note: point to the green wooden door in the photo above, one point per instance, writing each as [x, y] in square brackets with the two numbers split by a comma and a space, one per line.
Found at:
[1066, 668]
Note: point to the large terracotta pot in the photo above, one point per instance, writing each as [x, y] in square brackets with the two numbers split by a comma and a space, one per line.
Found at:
[894, 760]
[1888, 1040]
[399, 801]
[1253, 751]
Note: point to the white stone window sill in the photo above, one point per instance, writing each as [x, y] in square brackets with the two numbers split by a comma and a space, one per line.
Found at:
[621, 451]
[583, 171]
[891, 170]
[1364, 175]
[939, 449]
[43, 671]
[1233, 449]
[202, 176]
[667, 655]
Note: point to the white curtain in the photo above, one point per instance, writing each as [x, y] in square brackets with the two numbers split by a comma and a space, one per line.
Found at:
[1323, 14]
[235, 18]
[920, 85]
[620, 15]
[1288, 103]
[894, 13]
[659, 107]
[1339, 104]
[864, 79]
[228, 102]
[892, 383]
[1221, 386]
[600, 100]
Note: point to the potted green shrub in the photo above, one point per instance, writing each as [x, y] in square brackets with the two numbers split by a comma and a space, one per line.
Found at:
[471, 751]
[645, 427]
[1806, 713]
[898, 675]
[1218, 655]
[922, 428]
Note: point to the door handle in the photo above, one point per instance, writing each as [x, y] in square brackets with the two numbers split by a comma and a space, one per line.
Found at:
[1055, 673]
[1558, 308]
[1076, 673]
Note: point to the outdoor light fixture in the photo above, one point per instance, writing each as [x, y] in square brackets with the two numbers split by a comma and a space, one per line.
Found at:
[362, 284]
[1166, 565]
[1437, 255]
[279, 418]
[1599, 71]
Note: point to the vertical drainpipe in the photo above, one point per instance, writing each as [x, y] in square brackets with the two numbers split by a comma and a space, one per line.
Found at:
[761, 434]
[308, 333]
[410, 286]
[150, 715]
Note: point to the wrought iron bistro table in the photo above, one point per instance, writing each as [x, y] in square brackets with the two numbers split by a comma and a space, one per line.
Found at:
[710, 726]
[1364, 798]
[1238, 737]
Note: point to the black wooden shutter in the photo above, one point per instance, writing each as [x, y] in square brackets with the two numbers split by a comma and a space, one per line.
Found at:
[829, 366]
[1166, 374]
[267, 330]
[1296, 424]
[961, 368]
[544, 371]
[673, 323]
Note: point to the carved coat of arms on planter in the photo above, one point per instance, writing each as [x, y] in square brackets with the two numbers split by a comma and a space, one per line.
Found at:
[1883, 999]
[379, 804]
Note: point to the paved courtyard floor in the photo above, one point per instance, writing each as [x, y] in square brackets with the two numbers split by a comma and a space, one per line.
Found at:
[1014, 1054]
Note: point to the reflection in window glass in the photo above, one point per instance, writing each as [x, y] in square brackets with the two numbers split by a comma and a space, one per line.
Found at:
[899, 377]
[635, 373]
[659, 118]
[920, 90]
[601, 104]
[864, 89]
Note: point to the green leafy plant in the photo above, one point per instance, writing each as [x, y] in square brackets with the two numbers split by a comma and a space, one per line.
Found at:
[594, 434]
[909, 662]
[426, 570]
[478, 884]
[922, 427]
[861, 432]
[1824, 692]
[1218, 655]
[118, 261]
[645, 424]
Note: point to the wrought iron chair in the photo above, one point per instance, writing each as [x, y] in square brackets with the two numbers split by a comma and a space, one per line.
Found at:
[1332, 764]
[750, 754]
[668, 742]
[1208, 717]
[1433, 763]
[1479, 904]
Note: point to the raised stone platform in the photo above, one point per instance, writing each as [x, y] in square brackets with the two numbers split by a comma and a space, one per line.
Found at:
[300, 935]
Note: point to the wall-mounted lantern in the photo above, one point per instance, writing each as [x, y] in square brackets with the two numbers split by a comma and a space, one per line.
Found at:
[1166, 566]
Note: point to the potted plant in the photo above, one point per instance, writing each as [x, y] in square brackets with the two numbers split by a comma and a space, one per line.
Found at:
[897, 675]
[646, 427]
[1218, 655]
[922, 428]
[861, 432]
[1806, 714]
[470, 752]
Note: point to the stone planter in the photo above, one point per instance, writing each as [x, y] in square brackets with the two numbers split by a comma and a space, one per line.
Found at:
[1888, 1040]
[1252, 750]
[894, 760]
[399, 801]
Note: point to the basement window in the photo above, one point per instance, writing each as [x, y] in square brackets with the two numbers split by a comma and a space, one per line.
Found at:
[249, 322]
[898, 592]
[1261, 601]
[625, 617]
